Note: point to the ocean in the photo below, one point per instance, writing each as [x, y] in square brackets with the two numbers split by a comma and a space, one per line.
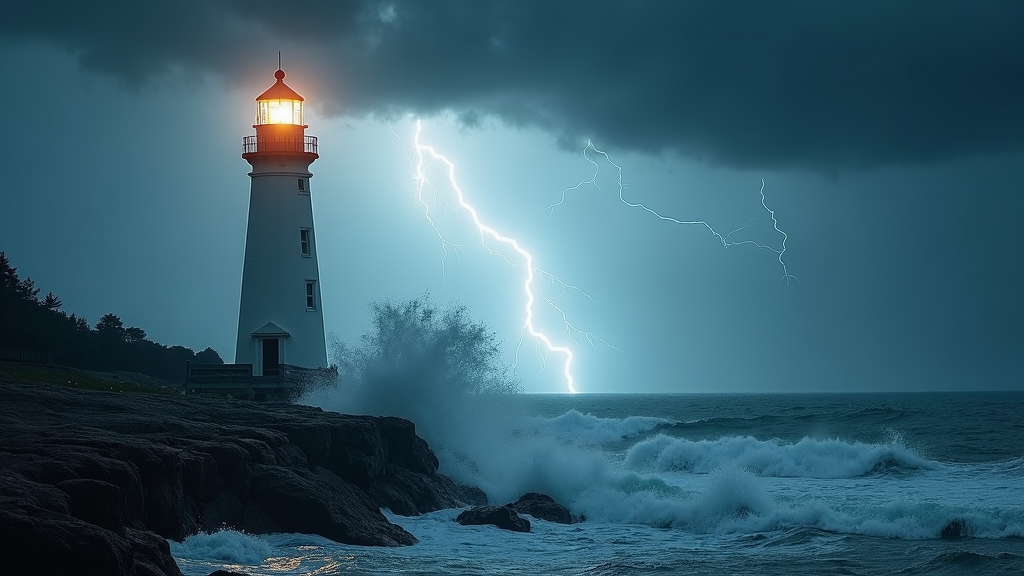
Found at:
[777, 484]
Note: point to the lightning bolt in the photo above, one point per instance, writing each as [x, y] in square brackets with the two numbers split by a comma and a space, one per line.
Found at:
[724, 239]
[425, 155]
[423, 152]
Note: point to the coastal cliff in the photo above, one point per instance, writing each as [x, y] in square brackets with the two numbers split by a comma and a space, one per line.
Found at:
[97, 481]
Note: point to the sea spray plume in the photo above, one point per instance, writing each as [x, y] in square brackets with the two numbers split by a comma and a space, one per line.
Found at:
[421, 363]
[442, 370]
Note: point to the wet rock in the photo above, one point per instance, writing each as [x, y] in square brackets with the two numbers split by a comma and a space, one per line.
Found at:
[44, 542]
[318, 502]
[410, 494]
[96, 502]
[542, 507]
[501, 516]
[151, 553]
[96, 481]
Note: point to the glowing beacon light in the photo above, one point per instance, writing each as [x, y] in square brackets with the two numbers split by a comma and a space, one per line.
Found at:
[279, 126]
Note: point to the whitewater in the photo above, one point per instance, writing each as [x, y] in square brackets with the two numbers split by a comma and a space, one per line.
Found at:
[924, 483]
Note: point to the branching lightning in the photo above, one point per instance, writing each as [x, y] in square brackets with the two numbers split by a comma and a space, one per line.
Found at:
[428, 209]
[724, 239]
[426, 154]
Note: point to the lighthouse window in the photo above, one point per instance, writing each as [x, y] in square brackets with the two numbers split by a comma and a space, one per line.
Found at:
[302, 186]
[310, 294]
[304, 241]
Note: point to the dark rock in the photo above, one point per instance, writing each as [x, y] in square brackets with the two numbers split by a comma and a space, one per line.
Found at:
[542, 507]
[361, 456]
[16, 491]
[226, 573]
[501, 516]
[318, 502]
[96, 502]
[224, 511]
[232, 464]
[96, 481]
[45, 542]
[405, 448]
[314, 441]
[152, 554]
[256, 520]
[409, 494]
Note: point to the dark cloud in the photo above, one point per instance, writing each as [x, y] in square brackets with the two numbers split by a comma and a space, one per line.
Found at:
[811, 85]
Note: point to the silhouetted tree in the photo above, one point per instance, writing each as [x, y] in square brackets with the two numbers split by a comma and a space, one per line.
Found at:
[110, 326]
[79, 322]
[51, 302]
[11, 286]
[8, 275]
[30, 324]
[208, 356]
[132, 335]
[18, 308]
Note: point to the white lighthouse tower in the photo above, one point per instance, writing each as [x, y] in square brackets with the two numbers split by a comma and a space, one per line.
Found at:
[280, 319]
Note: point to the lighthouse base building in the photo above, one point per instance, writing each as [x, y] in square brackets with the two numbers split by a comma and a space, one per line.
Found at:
[281, 340]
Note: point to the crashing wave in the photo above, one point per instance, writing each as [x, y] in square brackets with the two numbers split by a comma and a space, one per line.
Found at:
[807, 458]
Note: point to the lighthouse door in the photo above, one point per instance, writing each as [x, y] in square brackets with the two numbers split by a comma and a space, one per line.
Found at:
[271, 356]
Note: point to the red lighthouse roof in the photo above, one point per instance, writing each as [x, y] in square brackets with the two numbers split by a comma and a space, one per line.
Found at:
[280, 90]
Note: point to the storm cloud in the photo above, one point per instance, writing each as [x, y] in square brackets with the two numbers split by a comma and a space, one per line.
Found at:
[822, 86]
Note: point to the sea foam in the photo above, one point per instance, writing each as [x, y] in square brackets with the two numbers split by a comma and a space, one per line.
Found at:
[226, 546]
[731, 500]
[807, 458]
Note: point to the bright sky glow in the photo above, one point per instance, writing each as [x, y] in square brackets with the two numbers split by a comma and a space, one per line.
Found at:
[425, 155]
[724, 239]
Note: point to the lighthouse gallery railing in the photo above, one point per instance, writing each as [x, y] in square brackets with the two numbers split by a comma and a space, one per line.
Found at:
[279, 143]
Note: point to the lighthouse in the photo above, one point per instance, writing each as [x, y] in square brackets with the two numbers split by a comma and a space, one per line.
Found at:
[280, 315]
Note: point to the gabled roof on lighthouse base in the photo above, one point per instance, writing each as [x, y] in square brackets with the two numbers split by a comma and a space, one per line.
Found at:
[270, 329]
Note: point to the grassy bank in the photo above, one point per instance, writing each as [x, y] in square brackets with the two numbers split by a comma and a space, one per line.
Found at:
[64, 376]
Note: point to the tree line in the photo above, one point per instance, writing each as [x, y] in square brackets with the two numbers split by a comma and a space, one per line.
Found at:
[28, 322]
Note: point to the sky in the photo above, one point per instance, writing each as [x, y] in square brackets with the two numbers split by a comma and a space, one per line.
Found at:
[889, 137]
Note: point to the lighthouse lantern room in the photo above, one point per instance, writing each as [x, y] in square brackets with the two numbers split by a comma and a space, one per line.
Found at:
[280, 316]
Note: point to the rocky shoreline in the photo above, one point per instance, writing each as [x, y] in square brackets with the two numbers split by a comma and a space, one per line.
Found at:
[97, 481]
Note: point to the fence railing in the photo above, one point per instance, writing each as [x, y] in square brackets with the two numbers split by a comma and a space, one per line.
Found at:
[279, 143]
[238, 381]
[34, 356]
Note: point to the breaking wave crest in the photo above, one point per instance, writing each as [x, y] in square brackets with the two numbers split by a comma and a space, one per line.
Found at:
[227, 546]
[807, 458]
[589, 429]
[736, 501]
